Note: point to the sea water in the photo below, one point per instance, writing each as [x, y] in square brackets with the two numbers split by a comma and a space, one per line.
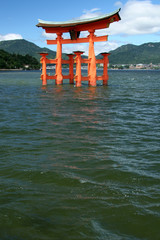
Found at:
[80, 163]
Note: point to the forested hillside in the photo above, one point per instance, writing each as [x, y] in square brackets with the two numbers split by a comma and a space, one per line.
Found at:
[17, 61]
[24, 47]
[131, 54]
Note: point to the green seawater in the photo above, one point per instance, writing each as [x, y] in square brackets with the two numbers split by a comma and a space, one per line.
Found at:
[80, 163]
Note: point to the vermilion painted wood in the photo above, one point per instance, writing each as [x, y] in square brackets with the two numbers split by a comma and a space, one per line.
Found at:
[99, 24]
[71, 73]
[59, 77]
[44, 72]
[71, 61]
[79, 40]
[105, 64]
[74, 29]
[92, 63]
[78, 76]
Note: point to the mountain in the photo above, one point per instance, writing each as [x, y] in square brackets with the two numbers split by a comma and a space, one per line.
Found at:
[131, 54]
[24, 47]
[127, 54]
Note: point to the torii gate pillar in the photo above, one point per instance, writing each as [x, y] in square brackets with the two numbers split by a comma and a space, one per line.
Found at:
[44, 72]
[78, 76]
[59, 77]
[105, 68]
[92, 58]
[71, 73]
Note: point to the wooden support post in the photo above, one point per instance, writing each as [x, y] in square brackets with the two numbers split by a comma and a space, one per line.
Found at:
[92, 58]
[71, 62]
[59, 77]
[105, 68]
[78, 76]
[44, 71]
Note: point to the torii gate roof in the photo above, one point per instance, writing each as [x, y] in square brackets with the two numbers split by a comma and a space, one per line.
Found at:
[80, 25]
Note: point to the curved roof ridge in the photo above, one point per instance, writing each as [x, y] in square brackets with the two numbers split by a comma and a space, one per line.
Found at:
[76, 22]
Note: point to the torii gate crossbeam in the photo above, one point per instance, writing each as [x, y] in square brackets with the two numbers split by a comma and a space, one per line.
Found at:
[74, 28]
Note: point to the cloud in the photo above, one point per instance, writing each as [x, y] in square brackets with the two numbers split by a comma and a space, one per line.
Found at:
[94, 12]
[10, 36]
[118, 4]
[69, 48]
[137, 18]
[49, 35]
[105, 46]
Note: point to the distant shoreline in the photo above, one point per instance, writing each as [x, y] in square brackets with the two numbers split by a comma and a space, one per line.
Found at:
[112, 69]
[14, 70]
[11, 69]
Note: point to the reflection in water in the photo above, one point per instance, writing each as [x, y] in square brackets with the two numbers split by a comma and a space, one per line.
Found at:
[44, 87]
[80, 163]
[76, 105]
[75, 125]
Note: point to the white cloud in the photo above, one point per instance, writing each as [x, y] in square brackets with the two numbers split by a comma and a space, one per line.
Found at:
[49, 35]
[105, 46]
[10, 36]
[138, 17]
[90, 13]
[118, 4]
[69, 48]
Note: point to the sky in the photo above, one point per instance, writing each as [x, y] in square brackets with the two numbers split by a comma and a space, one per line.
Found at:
[140, 21]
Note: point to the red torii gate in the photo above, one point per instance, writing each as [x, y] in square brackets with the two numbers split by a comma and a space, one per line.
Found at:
[74, 28]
